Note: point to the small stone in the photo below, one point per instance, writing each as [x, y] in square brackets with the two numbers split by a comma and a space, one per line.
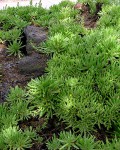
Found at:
[34, 35]
[31, 65]
[78, 6]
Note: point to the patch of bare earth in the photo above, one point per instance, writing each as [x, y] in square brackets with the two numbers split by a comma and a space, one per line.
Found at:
[10, 74]
[90, 20]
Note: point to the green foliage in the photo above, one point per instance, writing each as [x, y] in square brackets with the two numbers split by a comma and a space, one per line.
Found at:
[87, 69]
[18, 103]
[42, 92]
[80, 112]
[110, 16]
[95, 60]
[114, 145]
[14, 110]
[82, 83]
[14, 48]
[13, 37]
[14, 138]
[57, 43]
[13, 20]
[69, 141]
[87, 143]
[66, 141]
[18, 22]
[6, 119]
[4, 21]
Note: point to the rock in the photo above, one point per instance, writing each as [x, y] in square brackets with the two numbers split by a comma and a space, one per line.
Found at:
[82, 7]
[34, 64]
[78, 6]
[36, 35]
[4, 90]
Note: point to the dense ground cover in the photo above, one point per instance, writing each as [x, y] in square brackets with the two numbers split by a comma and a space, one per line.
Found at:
[80, 92]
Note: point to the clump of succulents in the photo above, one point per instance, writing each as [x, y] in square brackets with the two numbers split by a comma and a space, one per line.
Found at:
[81, 86]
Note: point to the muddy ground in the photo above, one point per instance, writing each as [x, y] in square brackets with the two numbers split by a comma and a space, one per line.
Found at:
[11, 75]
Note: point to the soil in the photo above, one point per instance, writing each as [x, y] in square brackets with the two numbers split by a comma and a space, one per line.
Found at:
[50, 127]
[90, 20]
[10, 75]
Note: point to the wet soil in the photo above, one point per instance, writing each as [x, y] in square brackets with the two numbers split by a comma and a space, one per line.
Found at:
[90, 20]
[10, 74]
[102, 133]
[45, 129]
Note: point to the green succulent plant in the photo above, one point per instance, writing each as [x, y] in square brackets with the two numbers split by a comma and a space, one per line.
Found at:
[14, 48]
[69, 141]
[81, 86]
[12, 35]
[14, 138]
